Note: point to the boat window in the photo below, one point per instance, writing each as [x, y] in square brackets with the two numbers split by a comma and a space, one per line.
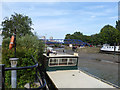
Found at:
[72, 61]
[62, 62]
[53, 61]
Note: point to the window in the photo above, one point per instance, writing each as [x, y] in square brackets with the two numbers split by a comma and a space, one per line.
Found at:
[53, 61]
[62, 62]
[72, 61]
[119, 48]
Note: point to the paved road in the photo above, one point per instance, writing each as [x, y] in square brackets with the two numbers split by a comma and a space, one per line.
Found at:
[100, 65]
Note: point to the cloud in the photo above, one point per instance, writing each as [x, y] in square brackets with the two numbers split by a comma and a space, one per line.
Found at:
[93, 16]
[48, 12]
[58, 19]
[61, 0]
[95, 7]
[114, 17]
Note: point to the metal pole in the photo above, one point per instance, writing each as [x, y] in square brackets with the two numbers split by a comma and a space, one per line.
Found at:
[15, 42]
[13, 78]
[114, 48]
[2, 76]
[13, 72]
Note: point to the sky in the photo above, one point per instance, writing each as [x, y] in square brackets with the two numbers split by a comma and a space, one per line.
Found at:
[60, 18]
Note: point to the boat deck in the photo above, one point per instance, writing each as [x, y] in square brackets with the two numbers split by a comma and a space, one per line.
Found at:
[75, 79]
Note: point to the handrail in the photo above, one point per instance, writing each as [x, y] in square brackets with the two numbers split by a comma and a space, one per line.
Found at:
[20, 68]
[33, 59]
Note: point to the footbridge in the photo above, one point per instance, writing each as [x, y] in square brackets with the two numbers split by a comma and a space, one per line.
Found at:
[65, 41]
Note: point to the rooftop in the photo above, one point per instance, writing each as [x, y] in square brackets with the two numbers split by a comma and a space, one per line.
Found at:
[61, 55]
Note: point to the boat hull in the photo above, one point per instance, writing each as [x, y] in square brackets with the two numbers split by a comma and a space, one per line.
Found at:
[110, 52]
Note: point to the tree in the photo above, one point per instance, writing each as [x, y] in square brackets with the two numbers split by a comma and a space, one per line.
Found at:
[118, 25]
[21, 22]
[67, 36]
[109, 34]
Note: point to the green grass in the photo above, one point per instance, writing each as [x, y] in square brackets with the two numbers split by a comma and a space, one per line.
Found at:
[89, 50]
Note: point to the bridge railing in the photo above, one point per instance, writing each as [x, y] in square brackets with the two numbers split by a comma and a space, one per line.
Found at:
[65, 41]
[39, 74]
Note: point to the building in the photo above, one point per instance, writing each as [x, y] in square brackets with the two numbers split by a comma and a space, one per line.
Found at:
[43, 37]
[51, 38]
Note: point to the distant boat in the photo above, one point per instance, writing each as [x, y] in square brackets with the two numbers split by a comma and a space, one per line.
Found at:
[108, 48]
[51, 50]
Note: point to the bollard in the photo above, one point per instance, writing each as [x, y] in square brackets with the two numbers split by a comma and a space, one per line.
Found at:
[13, 72]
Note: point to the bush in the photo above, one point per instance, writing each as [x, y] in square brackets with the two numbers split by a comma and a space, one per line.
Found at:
[25, 47]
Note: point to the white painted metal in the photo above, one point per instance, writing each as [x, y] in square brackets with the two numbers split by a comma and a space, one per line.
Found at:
[110, 48]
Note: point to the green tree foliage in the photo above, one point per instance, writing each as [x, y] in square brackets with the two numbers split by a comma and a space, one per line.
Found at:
[67, 36]
[118, 25]
[109, 34]
[26, 46]
[21, 22]
[76, 35]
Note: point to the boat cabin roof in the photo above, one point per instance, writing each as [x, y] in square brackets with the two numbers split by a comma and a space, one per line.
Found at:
[60, 55]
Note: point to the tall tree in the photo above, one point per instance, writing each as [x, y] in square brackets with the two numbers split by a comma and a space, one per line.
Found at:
[20, 22]
[109, 34]
[118, 25]
[67, 36]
